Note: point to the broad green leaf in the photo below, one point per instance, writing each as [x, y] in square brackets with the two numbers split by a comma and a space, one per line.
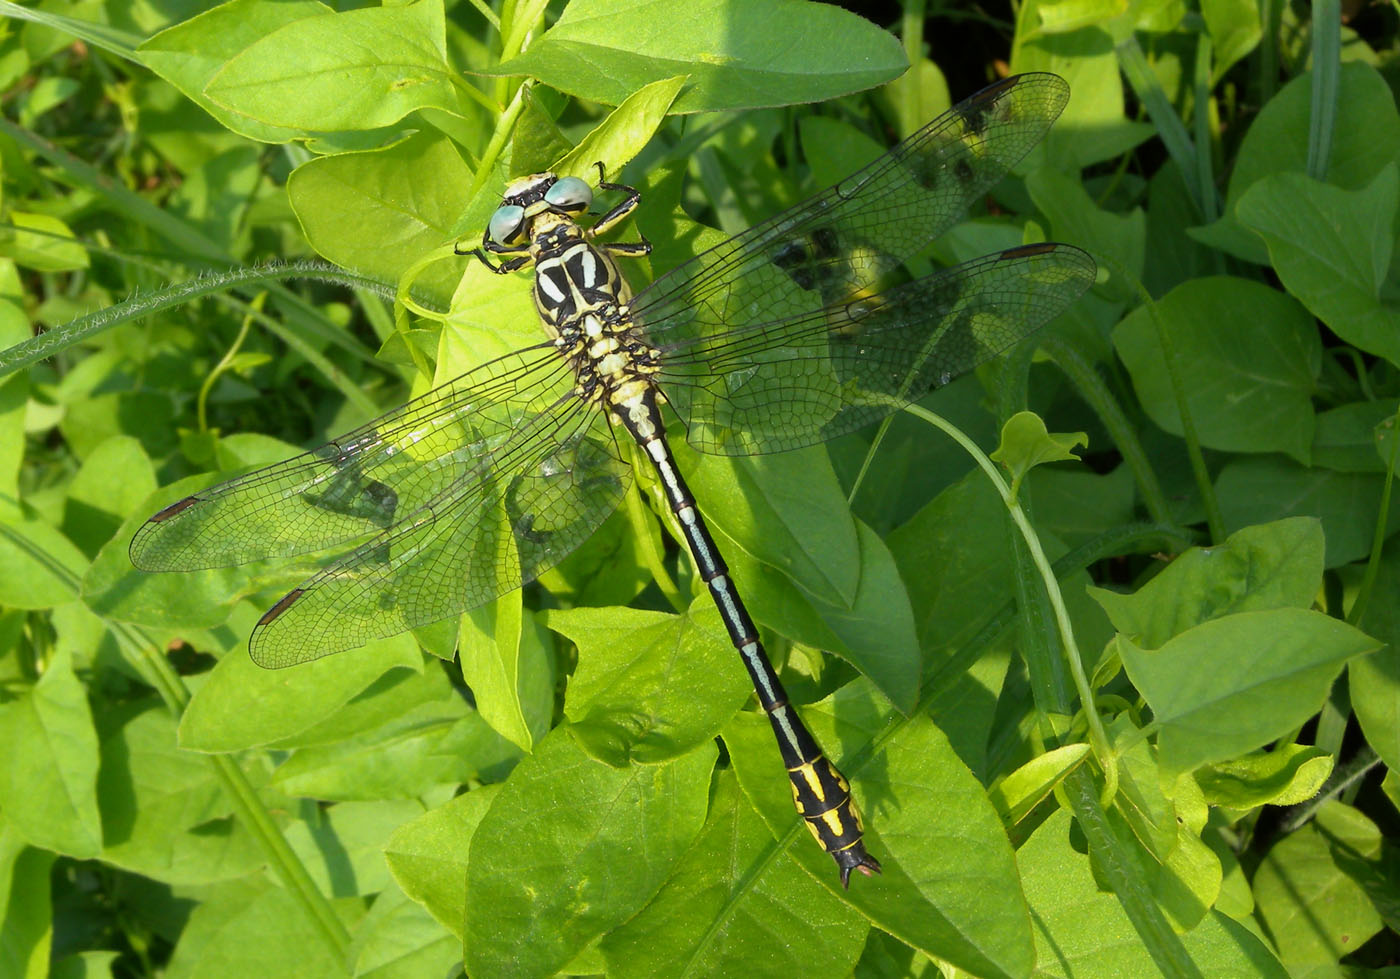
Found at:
[252, 929]
[355, 865]
[1164, 817]
[398, 939]
[1248, 360]
[1075, 217]
[437, 745]
[428, 855]
[1275, 565]
[1309, 889]
[949, 886]
[955, 557]
[1022, 790]
[545, 874]
[111, 485]
[733, 874]
[48, 778]
[1345, 439]
[1078, 505]
[26, 907]
[1365, 137]
[1332, 250]
[165, 812]
[43, 243]
[508, 668]
[379, 212]
[1234, 30]
[360, 69]
[789, 512]
[1260, 490]
[649, 685]
[1373, 682]
[738, 53]
[192, 52]
[1082, 932]
[1232, 684]
[1284, 776]
[240, 704]
[624, 133]
[42, 567]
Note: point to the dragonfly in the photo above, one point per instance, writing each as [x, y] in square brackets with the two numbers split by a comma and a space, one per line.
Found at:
[802, 328]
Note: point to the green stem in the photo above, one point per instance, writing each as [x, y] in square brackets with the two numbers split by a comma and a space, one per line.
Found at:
[1214, 519]
[1098, 737]
[1373, 564]
[1095, 392]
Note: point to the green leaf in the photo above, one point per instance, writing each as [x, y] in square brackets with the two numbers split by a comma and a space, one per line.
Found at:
[1307, 893]
[1256, 491]
[1234, 29]
[355, 865]
[360, 69]
[41, 565]
[920, 803]
[955, 557]
[165, 812]
[788, 511]
[1268, 673]
[113, 483]
[1025, 444]
[398, 939]
[1332, 249]
[252, 929]
[649, 686]
[378, 212]
[1275, 565]
[624, 133]
[48, 778]
[240, 704]
[738, 53]
[189, 54]
[1022, 790]
[1284, 776]
[428, 855]
[1373, 682]
[1365, 137]
[434, 744]
[26, 907]
[43, 243]
[507, 665]
[1345, 439]
[542, 881]
[1083, 932]
[1249, 359]
[729, 874]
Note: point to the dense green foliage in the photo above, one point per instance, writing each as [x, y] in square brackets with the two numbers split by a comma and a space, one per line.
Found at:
[1073, 700]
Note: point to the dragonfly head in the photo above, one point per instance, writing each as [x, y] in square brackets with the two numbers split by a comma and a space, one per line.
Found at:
[528, 197]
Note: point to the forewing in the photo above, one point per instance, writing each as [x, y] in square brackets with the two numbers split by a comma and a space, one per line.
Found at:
[364, 482]
[849, 239]
[784, 384]
[545, 490]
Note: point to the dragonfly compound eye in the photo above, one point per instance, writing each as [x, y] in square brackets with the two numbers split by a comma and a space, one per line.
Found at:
[507, 224]
[570, 194]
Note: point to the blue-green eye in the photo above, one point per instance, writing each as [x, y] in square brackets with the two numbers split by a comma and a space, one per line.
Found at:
[570, 194]
[506, 224]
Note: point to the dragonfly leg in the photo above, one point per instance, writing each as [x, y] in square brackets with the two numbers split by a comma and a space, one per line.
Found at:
[620, 211]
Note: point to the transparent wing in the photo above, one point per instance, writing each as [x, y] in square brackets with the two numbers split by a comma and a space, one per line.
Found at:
[791, 382]
[540, 494]
[364, 482]
[849, 239]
